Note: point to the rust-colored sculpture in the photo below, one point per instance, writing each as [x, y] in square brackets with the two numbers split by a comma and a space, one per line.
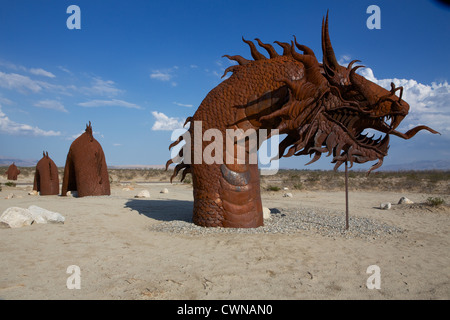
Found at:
[86, 171]
[321, 107]
[46, 179]
[12, 172]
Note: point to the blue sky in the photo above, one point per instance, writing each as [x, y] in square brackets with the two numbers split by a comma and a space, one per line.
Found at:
[137, 69]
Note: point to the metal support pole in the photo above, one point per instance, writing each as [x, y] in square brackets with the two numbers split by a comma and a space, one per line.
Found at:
[346, 196]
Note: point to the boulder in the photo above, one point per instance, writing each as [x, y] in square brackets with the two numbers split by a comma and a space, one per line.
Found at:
[404, 200]
[385, 206]
[266, 213]
[143, 194]
[287, 195]
[41, 215]
[165, 190]
[16, 217]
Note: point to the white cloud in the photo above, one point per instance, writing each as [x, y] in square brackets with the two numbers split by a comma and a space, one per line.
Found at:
[26, 85]
[162, 76]
[14, 128]
[183, 105]
[64, 69]
[35, 71]
[109, 103]
[344, 60]
[165, 123]
[5, 101]
[41, 72]
[102, 87]
[428, 103]
[18, 82]
[74, 136]
[57, 88]
[12, 66]
[51, 104]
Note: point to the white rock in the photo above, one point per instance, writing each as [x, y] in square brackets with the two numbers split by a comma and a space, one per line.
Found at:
[404, 200]
[17, 217]
[143, 194]
[42, 215]
[285, 188]
[287, 195]
[266, 213]
[165, 190]
[33, 193]
[385, 206]
[72, 193]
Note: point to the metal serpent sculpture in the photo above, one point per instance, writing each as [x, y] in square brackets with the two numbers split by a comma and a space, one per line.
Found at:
[321, 107]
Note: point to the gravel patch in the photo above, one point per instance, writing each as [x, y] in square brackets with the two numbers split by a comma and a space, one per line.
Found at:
[287, 221]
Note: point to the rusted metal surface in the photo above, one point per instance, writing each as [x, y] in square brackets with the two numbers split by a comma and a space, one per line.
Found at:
[85, 170]
[346, 196]
[320, 107]
[12, 172]
[46, 179]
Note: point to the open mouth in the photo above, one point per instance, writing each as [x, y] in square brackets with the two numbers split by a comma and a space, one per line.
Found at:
[387, 121]
[356, 125]
[370, 141]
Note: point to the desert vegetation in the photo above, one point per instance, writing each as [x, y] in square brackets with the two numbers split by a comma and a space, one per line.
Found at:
[139, 175]
[432, 181]
[435, 201]
[310, 180]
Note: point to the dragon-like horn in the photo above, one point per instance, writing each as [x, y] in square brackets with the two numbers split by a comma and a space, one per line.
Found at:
[308, 60]
[350, 65]
[255, 53]
[269, 48]
[304, 48]
[329, 57]
[312, 68]
[286, 47]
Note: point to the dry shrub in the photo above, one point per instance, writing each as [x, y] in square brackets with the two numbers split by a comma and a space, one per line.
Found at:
[412, 181]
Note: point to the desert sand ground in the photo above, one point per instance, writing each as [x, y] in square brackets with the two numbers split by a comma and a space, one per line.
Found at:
[120, 257]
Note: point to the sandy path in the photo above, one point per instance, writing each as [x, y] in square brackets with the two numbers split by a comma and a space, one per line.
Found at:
[119, 258]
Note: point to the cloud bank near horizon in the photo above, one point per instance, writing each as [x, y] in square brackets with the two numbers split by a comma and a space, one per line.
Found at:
[428, 103]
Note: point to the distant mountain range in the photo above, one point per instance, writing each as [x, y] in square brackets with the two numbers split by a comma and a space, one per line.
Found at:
[139, 166]
[5, 162]
[416, 166]
[18, 162]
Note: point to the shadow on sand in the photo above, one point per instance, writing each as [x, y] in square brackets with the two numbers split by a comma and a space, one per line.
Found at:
[163, 210]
